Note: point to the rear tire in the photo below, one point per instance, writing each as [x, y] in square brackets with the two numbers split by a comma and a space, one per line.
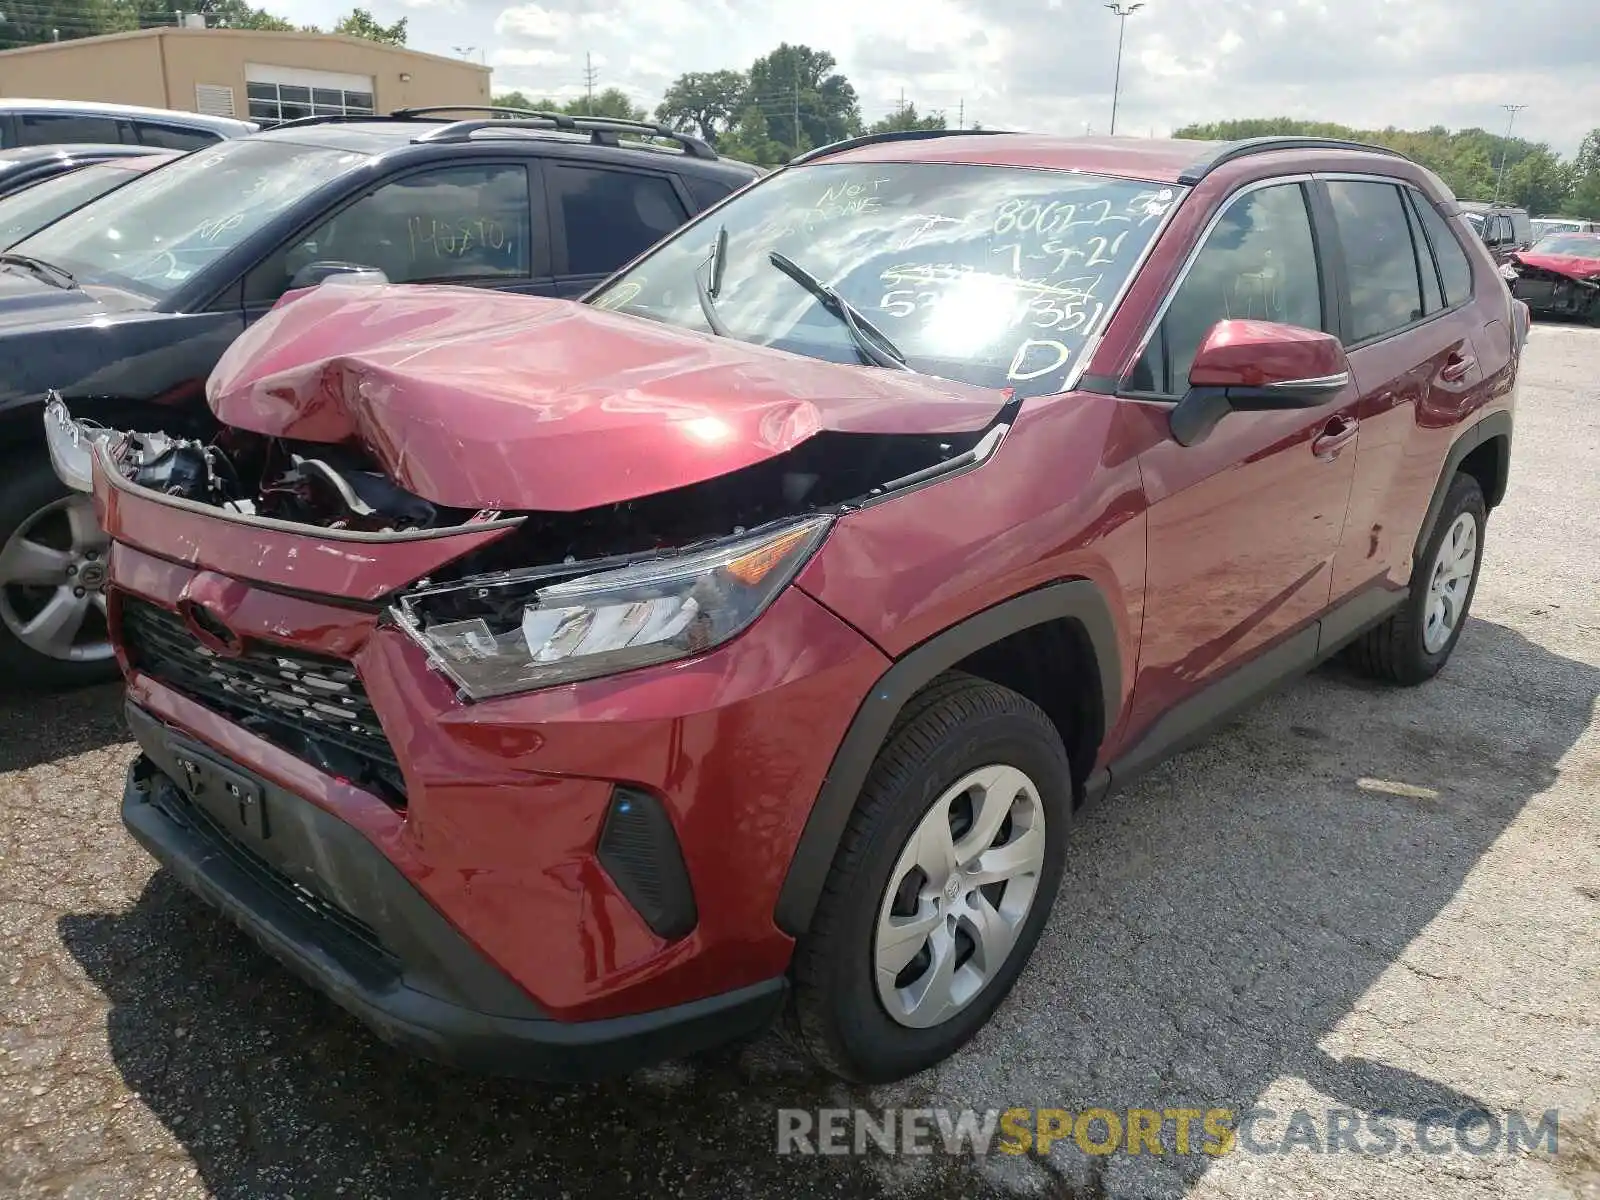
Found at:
[987, 767]
[1412, 645]
[53, 632]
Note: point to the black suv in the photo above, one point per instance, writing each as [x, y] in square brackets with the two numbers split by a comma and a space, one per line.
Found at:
[125, 306]
[1505, 229]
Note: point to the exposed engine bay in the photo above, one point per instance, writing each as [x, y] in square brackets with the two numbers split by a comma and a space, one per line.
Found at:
[338, 487]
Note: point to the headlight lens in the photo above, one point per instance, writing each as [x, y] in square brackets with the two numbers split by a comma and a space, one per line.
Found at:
[1507, 271]
[496, 635]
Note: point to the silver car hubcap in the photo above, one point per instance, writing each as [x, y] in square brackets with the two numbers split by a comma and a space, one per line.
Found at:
[52, 576]
[1447, 587]
[958, 896]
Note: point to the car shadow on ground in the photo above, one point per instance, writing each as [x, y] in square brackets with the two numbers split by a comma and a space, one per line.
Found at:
[1216, 923]
[79, 721]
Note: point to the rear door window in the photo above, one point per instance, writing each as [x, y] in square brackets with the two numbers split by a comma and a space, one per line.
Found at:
[1455, 273]
[1380, 259]
[612, 215]
[172, 137]
[49, 129]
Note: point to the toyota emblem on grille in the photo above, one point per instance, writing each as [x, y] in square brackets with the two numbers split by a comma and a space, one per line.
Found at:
[212, 631]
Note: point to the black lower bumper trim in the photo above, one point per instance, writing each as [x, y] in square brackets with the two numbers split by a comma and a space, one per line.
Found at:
[373, 987]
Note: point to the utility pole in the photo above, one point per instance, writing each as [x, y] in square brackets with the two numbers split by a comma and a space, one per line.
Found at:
[588, 83]
[961, 113]
[1123, 11]
[797, 106]
[1505, 150]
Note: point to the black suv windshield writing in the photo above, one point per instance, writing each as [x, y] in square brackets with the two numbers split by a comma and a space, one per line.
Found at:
[994, 276]
[156, 233]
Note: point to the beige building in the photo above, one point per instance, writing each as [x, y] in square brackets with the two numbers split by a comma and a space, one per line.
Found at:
[250, 74]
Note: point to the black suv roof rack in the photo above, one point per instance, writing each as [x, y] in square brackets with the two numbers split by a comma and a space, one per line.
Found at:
[896, 135]
[1229, 151]
[602, 131]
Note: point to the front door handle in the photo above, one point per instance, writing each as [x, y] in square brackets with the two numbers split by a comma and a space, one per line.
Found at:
[1338, 433]
[1456, 367]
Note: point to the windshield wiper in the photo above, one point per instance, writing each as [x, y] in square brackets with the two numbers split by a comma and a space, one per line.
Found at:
[705, 292]
[871, 341]
[49, 272]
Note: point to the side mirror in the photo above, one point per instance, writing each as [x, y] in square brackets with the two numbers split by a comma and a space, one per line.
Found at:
[321, 271]
[1257, 366]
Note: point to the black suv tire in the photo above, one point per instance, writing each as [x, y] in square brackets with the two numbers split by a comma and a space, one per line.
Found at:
[956, 725]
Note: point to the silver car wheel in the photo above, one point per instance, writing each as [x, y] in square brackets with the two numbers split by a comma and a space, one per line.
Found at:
[52, 576]
[1449, 583]
[959, 893]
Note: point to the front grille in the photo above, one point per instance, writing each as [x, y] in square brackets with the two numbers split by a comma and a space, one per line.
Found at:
[359, 938]
[314, 707]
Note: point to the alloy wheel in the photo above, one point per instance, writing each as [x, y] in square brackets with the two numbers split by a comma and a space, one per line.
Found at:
[958, 896]
[1449, 582]
[52, 580]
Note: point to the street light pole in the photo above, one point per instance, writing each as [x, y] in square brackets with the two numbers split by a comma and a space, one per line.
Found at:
[1505, 150]
[1123, 11]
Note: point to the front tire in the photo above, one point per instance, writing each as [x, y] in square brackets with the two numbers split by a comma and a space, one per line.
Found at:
[1414, 644]
[53, 631]
[942, 883]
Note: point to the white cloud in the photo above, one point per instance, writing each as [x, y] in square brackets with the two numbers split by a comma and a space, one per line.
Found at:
[1048, 65]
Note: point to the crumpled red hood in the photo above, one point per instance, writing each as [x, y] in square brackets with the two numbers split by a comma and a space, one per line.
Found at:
[1571, 265]
[479, 399]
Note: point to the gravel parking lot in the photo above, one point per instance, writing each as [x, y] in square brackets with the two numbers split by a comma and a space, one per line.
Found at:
[1257, 924]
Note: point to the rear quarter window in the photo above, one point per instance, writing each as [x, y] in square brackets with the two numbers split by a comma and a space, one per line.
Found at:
[1455, 272]
[172, 137]
[707, 192]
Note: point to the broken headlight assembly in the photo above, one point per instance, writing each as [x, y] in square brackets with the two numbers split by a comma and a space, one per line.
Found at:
[514, 632]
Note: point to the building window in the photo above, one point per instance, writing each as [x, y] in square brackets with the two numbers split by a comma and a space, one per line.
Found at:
[274, 103]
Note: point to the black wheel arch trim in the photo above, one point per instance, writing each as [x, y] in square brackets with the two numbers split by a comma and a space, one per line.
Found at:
[1078, 600]
[1495, 425]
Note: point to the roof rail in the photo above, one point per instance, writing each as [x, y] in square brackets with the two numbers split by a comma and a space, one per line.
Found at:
[1229, 151]
[602, 131]
[894, 135]
[330, 119]
[402, 114]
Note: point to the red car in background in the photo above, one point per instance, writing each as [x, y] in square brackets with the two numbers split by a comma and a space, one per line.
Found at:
[562, 686]
[1560, 276]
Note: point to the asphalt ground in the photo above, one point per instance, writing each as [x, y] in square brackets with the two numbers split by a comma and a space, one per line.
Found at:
[1351, 899]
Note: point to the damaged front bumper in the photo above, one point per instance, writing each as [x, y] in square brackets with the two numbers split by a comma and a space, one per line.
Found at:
[1550, 293]
[327, 904]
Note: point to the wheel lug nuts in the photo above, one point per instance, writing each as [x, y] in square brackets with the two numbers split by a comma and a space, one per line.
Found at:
[92, 555]
[78, 591]
[72, 571]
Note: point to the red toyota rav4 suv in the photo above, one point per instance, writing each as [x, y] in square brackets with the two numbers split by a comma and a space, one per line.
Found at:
[561, 686]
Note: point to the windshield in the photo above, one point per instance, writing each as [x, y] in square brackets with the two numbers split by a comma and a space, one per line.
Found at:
[35, 207]
[1577, 245]
[165, 227]
[994, 276]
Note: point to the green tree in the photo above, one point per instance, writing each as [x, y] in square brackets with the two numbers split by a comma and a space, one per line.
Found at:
[1468, 160]
[361, 23]
[907, 119]
[793, 77]
[1584, 201]
[708, 103]
[751, 141]
[613, 102]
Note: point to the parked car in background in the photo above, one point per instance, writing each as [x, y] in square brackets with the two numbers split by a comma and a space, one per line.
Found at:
[127, 303]
[1503, 228]
[24, 213]
[25, 167]
[1560, 276]
[1544, 226]
[562, 686]
[55, 122]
